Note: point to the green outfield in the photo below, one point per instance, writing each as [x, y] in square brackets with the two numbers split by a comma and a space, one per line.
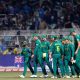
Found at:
[15, 76]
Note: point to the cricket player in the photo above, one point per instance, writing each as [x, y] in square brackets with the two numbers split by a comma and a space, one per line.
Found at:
[51, 42]
[77, 50]
[26, 53]
[38, 56]
[57, 53]
[45, 48]
[69, 57]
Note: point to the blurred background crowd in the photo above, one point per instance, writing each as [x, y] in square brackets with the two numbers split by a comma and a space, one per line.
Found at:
[39, 14]
[35, 15]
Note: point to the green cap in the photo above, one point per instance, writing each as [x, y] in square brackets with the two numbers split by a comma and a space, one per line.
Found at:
[54, 36]
[66, 38]
[69, 38]
[35, 35]
[72, 30]
[43, 36]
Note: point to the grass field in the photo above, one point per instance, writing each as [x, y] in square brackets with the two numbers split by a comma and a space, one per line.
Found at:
[15, 76]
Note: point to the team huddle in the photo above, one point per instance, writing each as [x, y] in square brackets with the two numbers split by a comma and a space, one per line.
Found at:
[65, 54]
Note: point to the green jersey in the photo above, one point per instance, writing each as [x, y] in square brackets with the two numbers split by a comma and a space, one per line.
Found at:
[26, 52]
[37, 50]
[45, 46]
[68, 50]
[57, 47]
[76, 39]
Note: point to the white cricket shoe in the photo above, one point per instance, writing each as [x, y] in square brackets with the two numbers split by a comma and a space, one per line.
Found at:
[79, 76]
[53, 77]
[43, 76]
[74, 76]
[68, 77]
[21, 76]
[33, 76]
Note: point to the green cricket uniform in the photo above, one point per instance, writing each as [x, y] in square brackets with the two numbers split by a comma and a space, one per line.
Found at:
[68, 54]
[76, 40]
[38, 57]
[45, 47]
[26, 53]
[57, 52]
[77, 56]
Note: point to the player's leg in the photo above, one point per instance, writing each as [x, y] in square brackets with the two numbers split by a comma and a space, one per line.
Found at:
[25, 68]
[54, 66]
[61, 65]
[66, 67]
[30, 67]
[73, 73]
[77, 63]
[78, 59]
[35, 66]
[48, 63]
[43, 67]
[45, 75]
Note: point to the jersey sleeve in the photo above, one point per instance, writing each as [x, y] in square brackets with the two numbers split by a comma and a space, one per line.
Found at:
[72, 50]
[52, 49]
[48, 44]
[37, 46]
[30, 51]
[62, 49]
[78, 38]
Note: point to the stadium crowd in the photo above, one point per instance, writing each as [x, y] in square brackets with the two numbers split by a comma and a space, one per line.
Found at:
[39, 14]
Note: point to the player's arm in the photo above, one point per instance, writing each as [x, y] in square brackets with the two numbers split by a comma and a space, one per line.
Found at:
[78, 41]
[37, 47]
[30, 51]
[51, 50]
[48, 44]
[72, 52]
[62, 51]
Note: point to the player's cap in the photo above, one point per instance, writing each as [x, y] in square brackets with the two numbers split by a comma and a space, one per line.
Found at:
[72, 30]
[54, 36]
[35, 35]
[66, 38]
[43, 36]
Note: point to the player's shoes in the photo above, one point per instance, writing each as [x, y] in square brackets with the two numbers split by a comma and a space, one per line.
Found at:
[33, 76]
[43, 76]
[68, 77]
[53, 77]
[62, 76]
[78, 76]
[21, 76]
[74, 76]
